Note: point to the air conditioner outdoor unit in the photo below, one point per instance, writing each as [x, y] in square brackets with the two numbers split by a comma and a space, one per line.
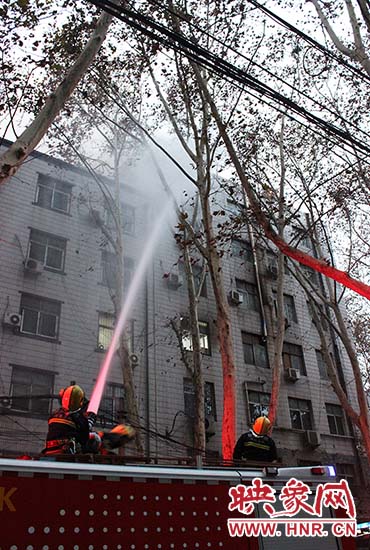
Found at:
[292, 375]
[33, 266]
[12, 320]
[235, 297]
[134, 359]
[175, 280]
[313, 438]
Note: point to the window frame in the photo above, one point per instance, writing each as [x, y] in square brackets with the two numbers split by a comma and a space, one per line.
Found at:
[40, 316]
[290, 310]
[250, 293]
[209, 399]
[301, 406]
[105, 328]
[287, 355]
[259, 404]
[36, 233]
[321, 365]
[115, 409]
[242, 249]
[256, 340]
[335, 416]
[109, 269]
[205, 336]
[29, 384]
[51, 183]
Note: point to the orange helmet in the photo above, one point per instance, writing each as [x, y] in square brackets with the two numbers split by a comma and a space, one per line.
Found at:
[261, 425]
[72, 398]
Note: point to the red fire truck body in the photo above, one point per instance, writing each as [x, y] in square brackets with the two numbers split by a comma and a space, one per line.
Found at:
[47, 505]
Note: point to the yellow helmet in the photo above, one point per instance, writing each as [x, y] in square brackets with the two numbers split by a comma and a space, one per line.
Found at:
[261, 425]
[72, 398]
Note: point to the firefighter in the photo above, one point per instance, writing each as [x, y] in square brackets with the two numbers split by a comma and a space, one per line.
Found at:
[70, 426]
[256, 444]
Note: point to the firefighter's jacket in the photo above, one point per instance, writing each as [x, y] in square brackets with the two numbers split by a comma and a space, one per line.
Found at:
[251, 446]
[68, 432]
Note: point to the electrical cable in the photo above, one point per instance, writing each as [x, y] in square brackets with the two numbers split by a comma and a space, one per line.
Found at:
[261, 67]
[218, 65]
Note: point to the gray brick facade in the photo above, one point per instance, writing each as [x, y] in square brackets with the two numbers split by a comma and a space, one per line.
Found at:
[73, 354]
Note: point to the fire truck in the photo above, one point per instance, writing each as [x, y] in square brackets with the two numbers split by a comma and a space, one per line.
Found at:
[60, 505]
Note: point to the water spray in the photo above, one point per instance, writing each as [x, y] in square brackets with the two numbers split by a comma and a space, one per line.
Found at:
[133, 289]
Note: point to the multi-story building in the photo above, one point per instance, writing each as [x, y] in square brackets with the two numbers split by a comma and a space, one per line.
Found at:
[57, 322]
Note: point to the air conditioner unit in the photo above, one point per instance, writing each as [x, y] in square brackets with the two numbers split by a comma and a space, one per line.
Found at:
[292, 375]
[33, 266]
[12, 320]
[313, 438]
[272, 271]
[235, 297]
[134, 359]
[174, 280]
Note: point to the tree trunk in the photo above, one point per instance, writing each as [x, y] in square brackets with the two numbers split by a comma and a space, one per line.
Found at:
[199, 420]
[305, 259]
[224, 335]
[13, 158]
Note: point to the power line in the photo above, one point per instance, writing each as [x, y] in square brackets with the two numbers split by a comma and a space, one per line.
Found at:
[310, 40]
[201, 56]
[261, 67]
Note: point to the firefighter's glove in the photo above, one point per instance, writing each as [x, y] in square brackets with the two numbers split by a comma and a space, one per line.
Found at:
[91, 419]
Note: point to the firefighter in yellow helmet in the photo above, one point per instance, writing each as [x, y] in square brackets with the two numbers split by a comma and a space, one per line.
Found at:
[69, 426]
[256, 445]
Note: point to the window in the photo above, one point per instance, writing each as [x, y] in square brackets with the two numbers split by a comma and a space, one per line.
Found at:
[127, 216]
[47, 249]
[250, 294]
[335, 419]
[293, 358]
[323, 370]
[209, 399]
[258, 404]
[40, 316]
[53, 194]
[128, 271]
[300, 414]
[301, 237]
[109, 269]
[289, 309]
[347, 471]
[128, 219]
[30, 390]
[242, 249]
[255, 350]
[105, 330]
[111, 409]
[197, 276]
[311, 274]
[204, 336]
